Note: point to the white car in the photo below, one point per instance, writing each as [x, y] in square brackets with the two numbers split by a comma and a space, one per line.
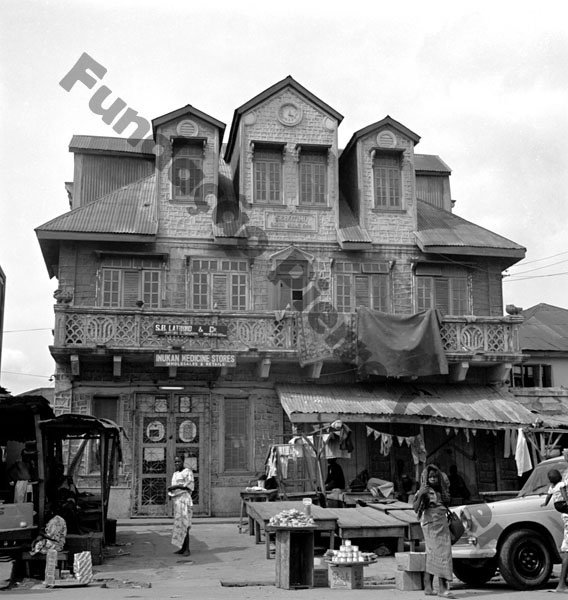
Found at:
[518, 536]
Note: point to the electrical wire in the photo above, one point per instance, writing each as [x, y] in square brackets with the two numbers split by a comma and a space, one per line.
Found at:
[24, 330]
[514, 278]
[26, 374]
[522, 263]
[540, 268]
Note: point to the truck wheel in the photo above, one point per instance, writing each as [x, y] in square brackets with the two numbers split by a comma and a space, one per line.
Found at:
[475, 572]
[525, 560]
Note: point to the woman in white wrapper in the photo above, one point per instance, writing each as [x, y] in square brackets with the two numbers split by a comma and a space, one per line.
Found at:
[180, 491]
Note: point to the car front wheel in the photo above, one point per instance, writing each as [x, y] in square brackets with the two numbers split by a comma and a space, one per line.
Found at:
[525, 560]
[475, 572]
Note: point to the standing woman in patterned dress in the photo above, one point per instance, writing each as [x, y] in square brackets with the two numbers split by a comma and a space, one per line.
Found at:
[180, 491]
[430, 504]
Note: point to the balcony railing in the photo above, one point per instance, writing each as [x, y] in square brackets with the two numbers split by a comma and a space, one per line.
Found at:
[77, 328]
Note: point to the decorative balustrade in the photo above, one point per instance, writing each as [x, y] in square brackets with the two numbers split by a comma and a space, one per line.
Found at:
[113, 329]
[264, 331]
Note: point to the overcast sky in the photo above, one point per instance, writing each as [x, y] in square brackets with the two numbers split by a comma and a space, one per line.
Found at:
[485, 85]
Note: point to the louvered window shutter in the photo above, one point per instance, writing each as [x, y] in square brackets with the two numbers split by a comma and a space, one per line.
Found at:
[220, 295]
[442, 293]
[362, 291]
[130, 288]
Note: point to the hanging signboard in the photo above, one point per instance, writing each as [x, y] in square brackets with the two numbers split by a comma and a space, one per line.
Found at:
[193, 359]
[194, 330]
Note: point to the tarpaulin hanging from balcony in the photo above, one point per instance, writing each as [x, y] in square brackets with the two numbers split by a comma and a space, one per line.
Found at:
[399, 345]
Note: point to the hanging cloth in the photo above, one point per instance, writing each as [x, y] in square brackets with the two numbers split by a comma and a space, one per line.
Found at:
[522, 454]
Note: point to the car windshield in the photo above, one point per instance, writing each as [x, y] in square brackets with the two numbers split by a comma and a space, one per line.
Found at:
[538, 483]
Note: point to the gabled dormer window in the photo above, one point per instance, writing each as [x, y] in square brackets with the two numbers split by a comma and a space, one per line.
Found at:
[267, 173]
[387, 181]
[187, 170]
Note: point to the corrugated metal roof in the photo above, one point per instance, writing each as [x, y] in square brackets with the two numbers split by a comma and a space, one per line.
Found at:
[440, 230]
[545, 329]
[349, 229]
[94, 143]
[446, 405]
[128, 210]
[430, 163]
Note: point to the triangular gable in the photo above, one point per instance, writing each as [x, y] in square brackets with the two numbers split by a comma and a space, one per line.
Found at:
[271, 91]
[386, 122]
[188, 111]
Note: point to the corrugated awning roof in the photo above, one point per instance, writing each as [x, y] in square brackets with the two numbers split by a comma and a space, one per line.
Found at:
[440, 231]
[130, 210]
[482, 407]
[349, 230]
[93, 144]
[430, 163]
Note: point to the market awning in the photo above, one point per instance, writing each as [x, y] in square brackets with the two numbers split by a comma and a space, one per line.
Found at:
[469, 406]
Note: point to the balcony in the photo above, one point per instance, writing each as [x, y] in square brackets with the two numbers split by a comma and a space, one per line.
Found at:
[467, 340]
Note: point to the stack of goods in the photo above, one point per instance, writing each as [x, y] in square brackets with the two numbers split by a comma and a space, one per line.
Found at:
[291, 518]
[348, 553]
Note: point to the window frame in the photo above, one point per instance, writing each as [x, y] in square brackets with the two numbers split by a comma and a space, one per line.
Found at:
[190, 151]
[387, 180]
[376, 276]
[206, 273]
[114, 286]
[429, 288]
[309, 158]
[269, 157]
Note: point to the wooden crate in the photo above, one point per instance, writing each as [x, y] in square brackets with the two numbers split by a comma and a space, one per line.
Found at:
[410, 561]
[348, 577]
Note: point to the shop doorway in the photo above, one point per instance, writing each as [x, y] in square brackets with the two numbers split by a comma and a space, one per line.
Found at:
[168, 425]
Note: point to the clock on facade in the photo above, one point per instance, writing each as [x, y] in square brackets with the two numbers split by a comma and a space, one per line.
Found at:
[289, 114]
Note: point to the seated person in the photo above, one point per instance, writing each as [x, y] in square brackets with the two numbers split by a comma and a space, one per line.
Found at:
[64, 495]
[458, 488]
[52, 537]
[335, 478]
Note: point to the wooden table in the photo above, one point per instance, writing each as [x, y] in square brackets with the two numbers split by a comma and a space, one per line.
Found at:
[405, 513]
[262, 512]
[254, 496]
[364, 522]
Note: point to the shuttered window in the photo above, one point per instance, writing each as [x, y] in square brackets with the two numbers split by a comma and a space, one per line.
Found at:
[313, 177]
[354, 289]
[219, 284]
[125, 287]
[449, 295]
[236, 421]
[187, 172]
[387, 181]
[267, 175]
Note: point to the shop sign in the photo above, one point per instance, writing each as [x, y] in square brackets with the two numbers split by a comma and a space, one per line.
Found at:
[195, 330]
[192, 359]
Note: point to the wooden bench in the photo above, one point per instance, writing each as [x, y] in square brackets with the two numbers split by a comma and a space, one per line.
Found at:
[62, 560]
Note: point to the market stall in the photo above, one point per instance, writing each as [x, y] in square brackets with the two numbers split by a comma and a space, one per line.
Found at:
[65, 442]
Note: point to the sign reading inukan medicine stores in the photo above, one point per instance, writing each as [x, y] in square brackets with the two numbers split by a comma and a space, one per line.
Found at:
[194, 330]
[194, 359]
